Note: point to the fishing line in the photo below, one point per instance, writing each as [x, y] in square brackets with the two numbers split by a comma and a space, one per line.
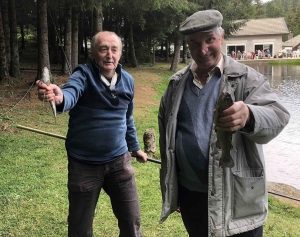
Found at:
[68, 66]
[9, 110]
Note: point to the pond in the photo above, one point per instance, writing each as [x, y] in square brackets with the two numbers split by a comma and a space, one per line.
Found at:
[282, 154]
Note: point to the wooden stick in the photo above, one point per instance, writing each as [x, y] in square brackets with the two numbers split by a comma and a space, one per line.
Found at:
[41, 132]
[64, 138]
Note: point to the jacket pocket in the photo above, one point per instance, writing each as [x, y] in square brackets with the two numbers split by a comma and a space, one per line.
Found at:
[248, 193]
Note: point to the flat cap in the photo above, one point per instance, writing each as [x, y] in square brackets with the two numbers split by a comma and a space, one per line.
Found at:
[201, 21]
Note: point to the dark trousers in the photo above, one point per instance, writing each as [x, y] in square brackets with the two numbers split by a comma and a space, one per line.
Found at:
[193, 209]
[85, 182]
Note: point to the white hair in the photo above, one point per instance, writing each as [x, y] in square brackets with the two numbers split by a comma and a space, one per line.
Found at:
[219, 31]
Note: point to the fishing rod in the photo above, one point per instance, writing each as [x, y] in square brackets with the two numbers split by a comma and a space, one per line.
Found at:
[133, 155]
[64, 138]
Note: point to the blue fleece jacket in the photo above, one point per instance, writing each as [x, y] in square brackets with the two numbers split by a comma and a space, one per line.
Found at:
[98, 130]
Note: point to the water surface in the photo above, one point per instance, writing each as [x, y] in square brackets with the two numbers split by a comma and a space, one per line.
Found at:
[282, 154]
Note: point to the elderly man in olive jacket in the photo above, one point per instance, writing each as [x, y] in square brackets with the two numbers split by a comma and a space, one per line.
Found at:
[216, 198]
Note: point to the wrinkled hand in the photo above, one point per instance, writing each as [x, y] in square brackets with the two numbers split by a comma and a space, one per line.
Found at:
[234, 118]
[49, 93]
[140, 156]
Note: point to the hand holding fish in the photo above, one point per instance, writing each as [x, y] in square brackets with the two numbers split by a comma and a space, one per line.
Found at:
[229, 117]
[234, 118]
[49, 93]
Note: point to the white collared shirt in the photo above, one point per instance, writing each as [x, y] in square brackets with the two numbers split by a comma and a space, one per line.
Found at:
[196, 80]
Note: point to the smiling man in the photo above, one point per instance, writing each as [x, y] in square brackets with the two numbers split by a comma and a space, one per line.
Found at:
[101, 133]
[215, 198]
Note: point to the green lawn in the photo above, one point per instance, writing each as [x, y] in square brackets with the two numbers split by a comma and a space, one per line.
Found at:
[33, 176]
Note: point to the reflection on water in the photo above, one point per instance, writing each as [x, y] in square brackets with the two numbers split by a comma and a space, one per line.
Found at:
[282, 154]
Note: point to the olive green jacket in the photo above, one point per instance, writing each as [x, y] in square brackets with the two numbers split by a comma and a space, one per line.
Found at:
[237, 197]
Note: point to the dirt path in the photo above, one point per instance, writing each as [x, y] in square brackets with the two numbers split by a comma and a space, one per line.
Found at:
[144, 87]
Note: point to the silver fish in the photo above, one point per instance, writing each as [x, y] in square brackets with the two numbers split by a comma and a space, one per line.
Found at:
[46, 79]
[224, 137]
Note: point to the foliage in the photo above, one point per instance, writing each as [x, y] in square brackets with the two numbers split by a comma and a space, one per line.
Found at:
[289, 9]
[154, 22]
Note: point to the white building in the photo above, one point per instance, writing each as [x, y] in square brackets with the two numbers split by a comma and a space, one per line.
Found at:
[257, 34]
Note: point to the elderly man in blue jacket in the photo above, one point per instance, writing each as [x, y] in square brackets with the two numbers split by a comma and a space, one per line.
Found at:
[101, 133]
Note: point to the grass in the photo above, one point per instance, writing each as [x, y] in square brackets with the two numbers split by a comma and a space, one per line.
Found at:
[33, 174]
[285, 62]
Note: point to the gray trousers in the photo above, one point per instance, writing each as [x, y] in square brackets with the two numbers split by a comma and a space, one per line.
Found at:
[85, 182]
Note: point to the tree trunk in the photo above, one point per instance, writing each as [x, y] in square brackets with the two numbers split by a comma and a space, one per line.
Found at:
[43, 51]
[52, 38]
[6, 29]
[154, 48]
[97, 20]
[80, 34]
[67, 67]
[74, 52]
[125, 49]
[161, 54]
[3, 63]
[86, 51]
[131, 47]
[176, 57]
[14, 69]
[184, 52]
[22, 35]
[167, 50]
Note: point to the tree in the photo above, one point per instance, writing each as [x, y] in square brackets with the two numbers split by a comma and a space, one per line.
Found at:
[67, 56]
[14, 69]
[274, 9]
[296, 28]
[6, 29]
[74, 53]
[97, 20]
[259, 9]
[26, 15]
[176, 58]
[3, 62]
[43, 51]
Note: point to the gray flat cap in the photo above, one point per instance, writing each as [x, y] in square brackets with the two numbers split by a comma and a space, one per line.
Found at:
[201, 21]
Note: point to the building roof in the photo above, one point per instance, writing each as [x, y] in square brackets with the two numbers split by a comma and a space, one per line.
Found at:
[292, 42]
[264, 26]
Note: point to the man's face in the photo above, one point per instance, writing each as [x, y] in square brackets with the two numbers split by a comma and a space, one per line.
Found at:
[107, 53]
[205, 48]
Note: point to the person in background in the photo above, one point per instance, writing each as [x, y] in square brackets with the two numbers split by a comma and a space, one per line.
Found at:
[101, 133]
[268, 53]
[214, 200]
[233, 55]
[239, 55]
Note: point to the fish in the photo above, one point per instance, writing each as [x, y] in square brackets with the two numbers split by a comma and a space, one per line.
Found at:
[46, 79]
[224, 138]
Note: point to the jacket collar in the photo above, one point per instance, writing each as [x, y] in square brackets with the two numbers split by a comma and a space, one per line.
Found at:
[232, 69]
